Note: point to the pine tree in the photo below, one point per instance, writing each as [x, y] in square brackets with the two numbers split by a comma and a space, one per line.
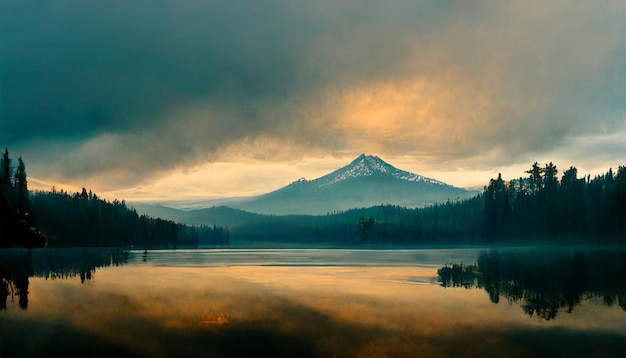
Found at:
[5, 173]
[535, 177]
[550, 180]
[497, 207]
[21, 186]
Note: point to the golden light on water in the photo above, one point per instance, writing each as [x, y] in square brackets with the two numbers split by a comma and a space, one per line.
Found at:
[356, 311]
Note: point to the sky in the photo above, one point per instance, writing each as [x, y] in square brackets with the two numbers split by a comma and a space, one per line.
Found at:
[161, 100]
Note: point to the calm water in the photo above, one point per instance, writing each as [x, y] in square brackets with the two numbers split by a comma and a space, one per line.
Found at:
[299, 303]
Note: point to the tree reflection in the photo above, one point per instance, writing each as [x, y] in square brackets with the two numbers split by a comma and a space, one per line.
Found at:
[458, 275]
[16, 267]
[544, 285]
[14, 273]
[63, 264]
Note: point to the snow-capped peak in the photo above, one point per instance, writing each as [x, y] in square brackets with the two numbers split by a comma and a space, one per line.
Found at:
[369, 165]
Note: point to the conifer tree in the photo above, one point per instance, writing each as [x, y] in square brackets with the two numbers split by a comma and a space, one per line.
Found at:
[5, 171]
[535, 177]
[21, 186]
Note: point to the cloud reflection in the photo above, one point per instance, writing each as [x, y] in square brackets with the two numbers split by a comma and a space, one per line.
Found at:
[286, 311]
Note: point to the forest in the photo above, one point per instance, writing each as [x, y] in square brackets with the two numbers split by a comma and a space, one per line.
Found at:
[83, 219]
[60, 219]
[539, 207]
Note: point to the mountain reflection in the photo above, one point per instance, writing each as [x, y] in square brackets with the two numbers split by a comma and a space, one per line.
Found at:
[17, 266]
[544, 285]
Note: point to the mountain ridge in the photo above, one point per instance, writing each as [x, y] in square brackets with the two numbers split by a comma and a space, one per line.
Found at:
[367, 165]
[366, 181]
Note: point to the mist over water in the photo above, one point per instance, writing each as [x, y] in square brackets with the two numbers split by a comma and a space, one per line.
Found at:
[289, 303]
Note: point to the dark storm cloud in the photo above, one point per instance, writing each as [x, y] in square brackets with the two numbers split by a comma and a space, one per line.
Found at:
[73, 71]
[78, 68]
[132, 88]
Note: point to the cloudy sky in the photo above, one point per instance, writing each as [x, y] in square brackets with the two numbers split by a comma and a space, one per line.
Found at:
[163, 100]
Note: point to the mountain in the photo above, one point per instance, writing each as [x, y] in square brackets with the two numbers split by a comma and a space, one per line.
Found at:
[366, 181]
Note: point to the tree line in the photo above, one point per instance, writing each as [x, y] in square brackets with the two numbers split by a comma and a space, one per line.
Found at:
[538, 207]
[84, 219]
[59, 218]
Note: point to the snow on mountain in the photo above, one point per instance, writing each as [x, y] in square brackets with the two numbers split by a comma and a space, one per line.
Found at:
[370, 165]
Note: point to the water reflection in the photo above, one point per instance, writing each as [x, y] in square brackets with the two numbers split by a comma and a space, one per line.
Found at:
[14, 273]
[16, 266]
[60, 264]
[260, 307]
[543, 285]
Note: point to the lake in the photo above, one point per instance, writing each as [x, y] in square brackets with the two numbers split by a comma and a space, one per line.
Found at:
[314, 303]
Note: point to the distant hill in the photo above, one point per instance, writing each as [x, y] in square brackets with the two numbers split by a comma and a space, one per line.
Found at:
[366, 181]
[216, 215]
